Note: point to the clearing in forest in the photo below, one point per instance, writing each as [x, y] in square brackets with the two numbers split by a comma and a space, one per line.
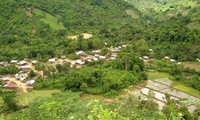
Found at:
[49, 19]
[132, 14]
[85, 36]
[192, 65]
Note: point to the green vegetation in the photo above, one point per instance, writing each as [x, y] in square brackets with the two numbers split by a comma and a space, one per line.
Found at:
[49, 19]
[11, 69]
[1, 100]
[39, 30]
[38, 35]
[68, 105]
[158, 75]
[102, 77]
[25, 98]
[187, 90]
[186, 76]
[176, 85]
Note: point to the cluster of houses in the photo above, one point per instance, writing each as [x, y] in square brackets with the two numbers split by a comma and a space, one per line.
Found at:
[147, 59]
[9, 85]
[21, 76]
[25, 66]
[84, 57]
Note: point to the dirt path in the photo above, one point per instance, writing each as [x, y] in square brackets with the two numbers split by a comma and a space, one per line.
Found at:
[19, 84]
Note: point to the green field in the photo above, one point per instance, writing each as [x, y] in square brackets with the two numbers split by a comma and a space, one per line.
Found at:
[49, 19]
[187, 90]
[176, 85]
[158, 75]
[31, 96]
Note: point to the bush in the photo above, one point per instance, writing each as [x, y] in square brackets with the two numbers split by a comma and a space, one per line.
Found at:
[111, 93]
[32, 74]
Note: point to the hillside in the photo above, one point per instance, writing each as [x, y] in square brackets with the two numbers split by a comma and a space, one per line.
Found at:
[36, 24]
[166, 9]
[99, 60]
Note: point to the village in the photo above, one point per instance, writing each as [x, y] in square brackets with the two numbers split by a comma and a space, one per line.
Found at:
[21, 81]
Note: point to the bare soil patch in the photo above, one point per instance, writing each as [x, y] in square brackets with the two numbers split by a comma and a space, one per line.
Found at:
[85, 36]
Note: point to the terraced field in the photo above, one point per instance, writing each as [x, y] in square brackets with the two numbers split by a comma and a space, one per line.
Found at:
[159, 85]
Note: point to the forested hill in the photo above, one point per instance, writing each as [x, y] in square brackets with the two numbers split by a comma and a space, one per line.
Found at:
[173, 27]
[166, 9]
[34, 28]
[29, 25]
[22, 17]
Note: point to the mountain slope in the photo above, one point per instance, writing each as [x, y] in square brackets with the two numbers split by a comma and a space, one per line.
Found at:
[36, 24]
[166, 9]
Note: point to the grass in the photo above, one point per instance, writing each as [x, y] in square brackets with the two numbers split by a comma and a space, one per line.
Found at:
[158, 75]
[133, 14]
[187, 90]
[49, 19]
[31, 96]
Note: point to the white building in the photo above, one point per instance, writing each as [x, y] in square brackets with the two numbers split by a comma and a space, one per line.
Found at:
[166, 57]
[34, 62]
[124, 46]
[26, 67]
[145, 57]
[82, 53]
[179, 63]
[22, 62]
[96, 51]
[30, 82]
[53, 60]
[102, 57]
[150, 50]
[4, 79]
[172, 60]
[13, 61]
[80, 62]
[22, 79]
[96, 59]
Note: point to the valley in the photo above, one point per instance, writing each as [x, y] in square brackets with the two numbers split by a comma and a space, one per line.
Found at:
[99, 60]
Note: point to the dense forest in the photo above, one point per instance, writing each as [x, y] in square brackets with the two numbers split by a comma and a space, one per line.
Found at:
[152, 36]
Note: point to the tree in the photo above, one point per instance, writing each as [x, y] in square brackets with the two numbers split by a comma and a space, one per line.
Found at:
[104, 51]
[96, 44]
[32, 74]
[142, 46]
